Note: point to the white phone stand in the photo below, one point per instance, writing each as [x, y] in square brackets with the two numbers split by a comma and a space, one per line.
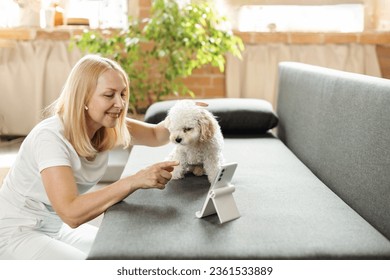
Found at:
[220, 201]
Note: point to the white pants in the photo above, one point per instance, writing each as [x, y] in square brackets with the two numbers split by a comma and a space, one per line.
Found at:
[31, 230]
[67, 244]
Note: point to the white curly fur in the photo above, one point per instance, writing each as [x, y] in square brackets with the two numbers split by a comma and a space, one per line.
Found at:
[198, 139]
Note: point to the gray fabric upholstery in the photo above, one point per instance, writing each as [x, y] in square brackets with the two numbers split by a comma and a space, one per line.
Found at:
[338, 124]
[286, 212]
[234, 115]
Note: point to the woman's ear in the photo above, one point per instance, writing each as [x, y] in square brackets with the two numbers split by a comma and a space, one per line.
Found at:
[207, 127]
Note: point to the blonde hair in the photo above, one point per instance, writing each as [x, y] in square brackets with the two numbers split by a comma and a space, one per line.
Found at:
[77, 91]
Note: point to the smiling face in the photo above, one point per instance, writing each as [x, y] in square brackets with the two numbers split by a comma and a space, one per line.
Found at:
[107, 102]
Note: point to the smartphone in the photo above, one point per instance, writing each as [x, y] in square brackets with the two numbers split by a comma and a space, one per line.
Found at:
[224, 176]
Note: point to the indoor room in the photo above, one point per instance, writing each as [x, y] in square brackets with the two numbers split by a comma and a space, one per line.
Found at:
[266, 123]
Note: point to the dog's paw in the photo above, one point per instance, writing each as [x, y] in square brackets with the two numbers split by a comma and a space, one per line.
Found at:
[211, 174]
[198, 171]
[177, 177]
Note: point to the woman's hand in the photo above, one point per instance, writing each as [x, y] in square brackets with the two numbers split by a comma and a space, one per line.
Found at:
[154, 176]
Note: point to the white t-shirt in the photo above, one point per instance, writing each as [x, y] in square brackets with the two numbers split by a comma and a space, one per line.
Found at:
[46, 146]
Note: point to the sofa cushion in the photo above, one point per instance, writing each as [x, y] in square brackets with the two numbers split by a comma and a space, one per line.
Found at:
[235, 115]
[286, 212]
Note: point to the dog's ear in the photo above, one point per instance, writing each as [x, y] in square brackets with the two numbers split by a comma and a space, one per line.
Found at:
[207, 126]
[167, 121]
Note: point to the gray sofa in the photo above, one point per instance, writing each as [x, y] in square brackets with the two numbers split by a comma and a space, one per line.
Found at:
[319, 188]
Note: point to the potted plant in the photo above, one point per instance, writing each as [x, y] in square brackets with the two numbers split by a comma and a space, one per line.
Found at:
[158, 52]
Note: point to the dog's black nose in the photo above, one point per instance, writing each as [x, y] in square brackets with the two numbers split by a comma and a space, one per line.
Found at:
[178, 139]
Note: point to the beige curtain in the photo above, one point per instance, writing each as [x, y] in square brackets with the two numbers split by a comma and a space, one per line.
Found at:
[31, 77]
[255, 76]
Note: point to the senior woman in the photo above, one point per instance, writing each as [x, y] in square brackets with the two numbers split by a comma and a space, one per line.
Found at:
[44, 201]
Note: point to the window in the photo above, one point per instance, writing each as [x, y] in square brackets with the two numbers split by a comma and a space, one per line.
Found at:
[307, 15]
[325, 18]
[9, 13]
[101, 13]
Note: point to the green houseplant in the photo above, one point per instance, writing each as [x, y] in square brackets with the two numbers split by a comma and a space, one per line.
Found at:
[158, 52]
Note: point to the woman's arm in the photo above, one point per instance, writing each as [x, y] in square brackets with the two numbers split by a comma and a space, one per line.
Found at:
[147, 134]
[75, 209]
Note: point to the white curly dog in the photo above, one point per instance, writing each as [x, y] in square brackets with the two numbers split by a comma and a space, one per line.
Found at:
[198, 139]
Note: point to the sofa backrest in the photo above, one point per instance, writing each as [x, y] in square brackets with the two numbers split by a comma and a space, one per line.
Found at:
[338, 124]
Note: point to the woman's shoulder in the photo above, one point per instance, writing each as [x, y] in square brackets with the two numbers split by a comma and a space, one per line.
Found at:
[50, 127]
[50, 122]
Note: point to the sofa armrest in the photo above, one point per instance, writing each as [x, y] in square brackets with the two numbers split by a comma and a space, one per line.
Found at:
[338, 124]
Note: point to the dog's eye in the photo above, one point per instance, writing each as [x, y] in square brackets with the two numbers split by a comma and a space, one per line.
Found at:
[186, 129]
